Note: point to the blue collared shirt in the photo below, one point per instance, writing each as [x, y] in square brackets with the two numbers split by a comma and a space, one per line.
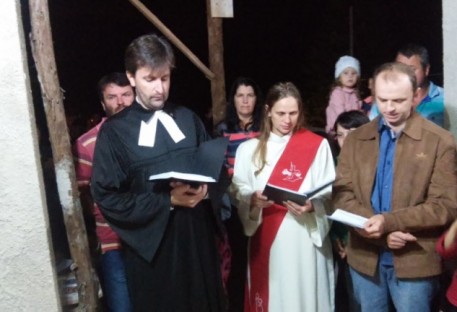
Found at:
[432, 106]
[381, 197]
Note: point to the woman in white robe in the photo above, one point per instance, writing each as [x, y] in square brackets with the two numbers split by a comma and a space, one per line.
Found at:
[299, 271]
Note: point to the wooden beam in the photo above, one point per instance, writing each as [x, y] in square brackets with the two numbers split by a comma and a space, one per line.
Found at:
[173, 39]
[216, 61]
[43, 53]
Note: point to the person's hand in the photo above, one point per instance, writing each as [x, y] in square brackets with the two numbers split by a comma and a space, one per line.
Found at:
[298, 210]
[340, 248]
[258, 202]
[373, 228]
[398, 239]
[184, 195]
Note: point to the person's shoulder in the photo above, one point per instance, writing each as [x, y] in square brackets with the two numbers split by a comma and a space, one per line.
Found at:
[366, 131]
[435, 99]
[181, 113]
[120, 116]
[249, 144]
[337, 90]
[316, 134]
[172, 108]
[430, 127]
[320, 132]
[89, 136]
[221, 128]
[435, 90]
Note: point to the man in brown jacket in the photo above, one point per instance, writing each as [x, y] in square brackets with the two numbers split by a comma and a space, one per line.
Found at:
[400, 172]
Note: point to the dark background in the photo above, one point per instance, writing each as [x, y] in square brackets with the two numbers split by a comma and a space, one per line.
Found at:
[268, 40]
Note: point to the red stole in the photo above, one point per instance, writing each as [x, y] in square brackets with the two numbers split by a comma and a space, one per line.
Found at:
[289, 172]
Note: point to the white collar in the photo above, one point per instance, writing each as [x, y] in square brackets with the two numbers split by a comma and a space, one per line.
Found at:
[148, 129]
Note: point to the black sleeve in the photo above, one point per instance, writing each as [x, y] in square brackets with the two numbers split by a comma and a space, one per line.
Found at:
[140, 218]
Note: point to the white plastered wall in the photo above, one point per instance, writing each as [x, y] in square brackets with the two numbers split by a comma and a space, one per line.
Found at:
[450, 62]
[27, 278]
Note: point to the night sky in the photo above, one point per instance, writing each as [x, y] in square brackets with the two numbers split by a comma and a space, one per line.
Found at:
[268, 40]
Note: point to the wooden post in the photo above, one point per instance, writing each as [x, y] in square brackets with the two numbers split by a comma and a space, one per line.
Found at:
[173, 39]
[43, 53]
[216, 61]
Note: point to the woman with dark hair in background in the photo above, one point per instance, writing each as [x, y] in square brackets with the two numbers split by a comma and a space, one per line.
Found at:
[242, 122]
[242, 118]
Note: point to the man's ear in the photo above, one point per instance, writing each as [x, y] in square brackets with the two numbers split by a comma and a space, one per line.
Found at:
[131, 78]
[427, 70]
[416, 95]
[104, 106]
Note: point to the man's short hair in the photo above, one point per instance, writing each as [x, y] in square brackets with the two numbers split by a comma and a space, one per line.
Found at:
[412, 49]
[148, 51]
[116, 78]
[390, 71]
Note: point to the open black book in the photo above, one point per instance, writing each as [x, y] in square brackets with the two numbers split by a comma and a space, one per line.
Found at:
[195, 165]
[280, 195]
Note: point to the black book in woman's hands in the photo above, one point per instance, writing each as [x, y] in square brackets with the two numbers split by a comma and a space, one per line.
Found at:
[280, 194]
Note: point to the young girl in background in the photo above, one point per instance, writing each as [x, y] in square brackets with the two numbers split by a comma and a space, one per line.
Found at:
[345, 95]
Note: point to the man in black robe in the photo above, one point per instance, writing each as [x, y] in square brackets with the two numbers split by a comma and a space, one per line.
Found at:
[168, 228]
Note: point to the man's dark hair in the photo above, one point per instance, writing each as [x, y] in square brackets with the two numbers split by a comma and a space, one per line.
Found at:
[119, 79]
[231, 116]
[412, 49]
[351, 119]
[148, 51]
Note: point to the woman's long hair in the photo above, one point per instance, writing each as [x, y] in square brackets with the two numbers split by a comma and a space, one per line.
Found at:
[276, 93]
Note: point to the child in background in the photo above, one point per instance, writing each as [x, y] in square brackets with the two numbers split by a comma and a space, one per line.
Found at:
[344, 296]
[447, 248]
[347, 122]
[345, 94]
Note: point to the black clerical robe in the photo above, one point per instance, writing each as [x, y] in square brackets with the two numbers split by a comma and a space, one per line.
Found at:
[171, 257]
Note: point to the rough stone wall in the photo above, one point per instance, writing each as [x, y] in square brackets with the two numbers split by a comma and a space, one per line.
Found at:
[27, 278]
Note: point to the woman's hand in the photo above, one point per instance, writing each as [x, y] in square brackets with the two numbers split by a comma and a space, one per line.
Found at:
[258, 202]
[298, 210]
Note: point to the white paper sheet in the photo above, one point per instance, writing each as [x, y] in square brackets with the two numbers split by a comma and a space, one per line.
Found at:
[348, 218]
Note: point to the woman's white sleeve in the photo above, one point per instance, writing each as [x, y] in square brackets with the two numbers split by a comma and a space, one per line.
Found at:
[324, 171]
[243, 186]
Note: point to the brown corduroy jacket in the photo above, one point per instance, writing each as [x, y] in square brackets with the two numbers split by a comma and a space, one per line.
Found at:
[424, 194]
